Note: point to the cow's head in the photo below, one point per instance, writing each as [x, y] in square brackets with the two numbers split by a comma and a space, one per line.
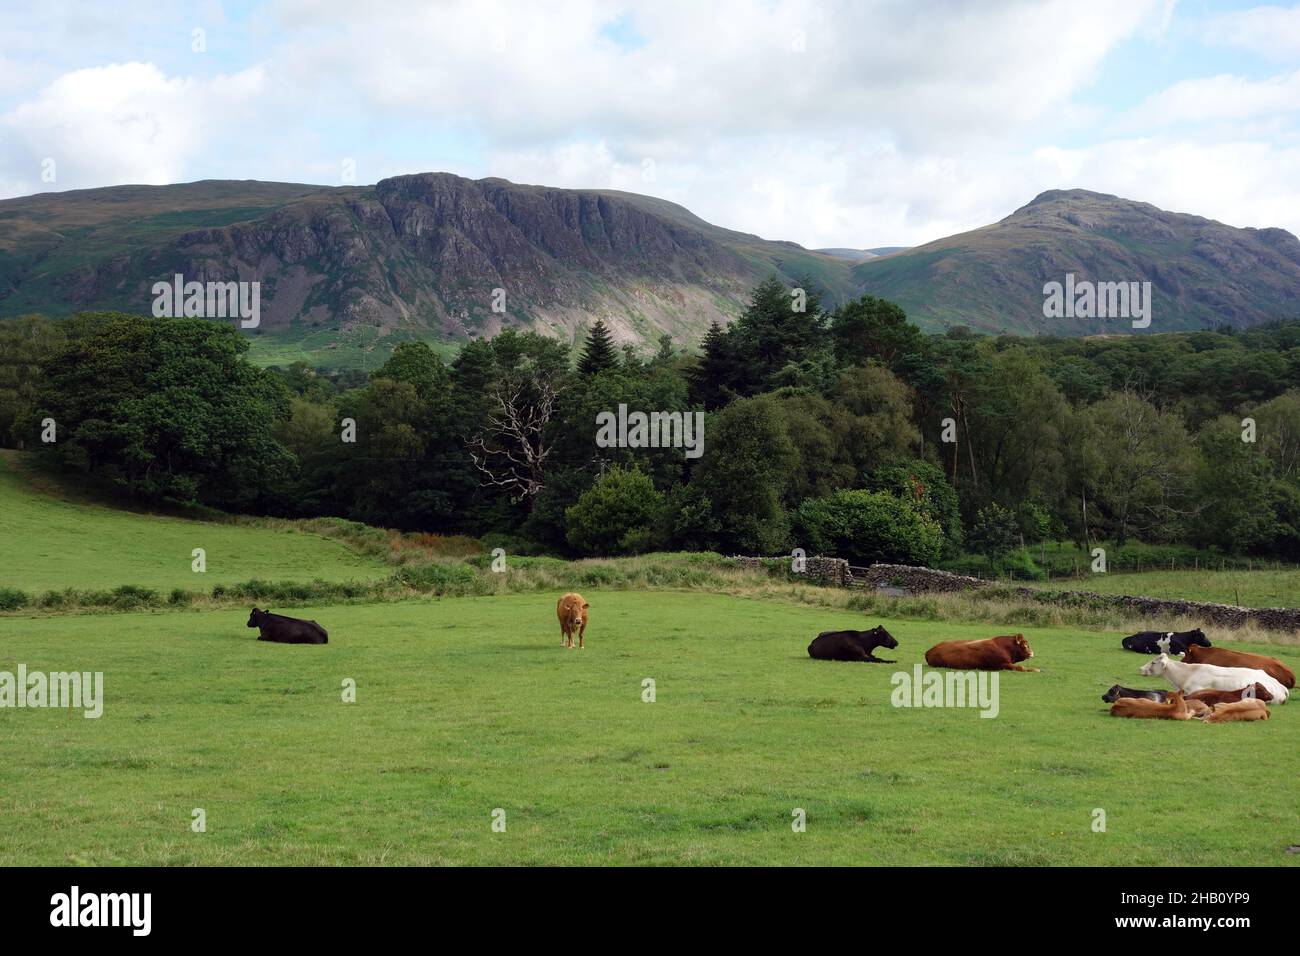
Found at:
[1256, 691]
[1197, 636]
[1154, 667]
[1020, 650]
[255, 619]
[575, 613]
[1111, 695]
[880, 637]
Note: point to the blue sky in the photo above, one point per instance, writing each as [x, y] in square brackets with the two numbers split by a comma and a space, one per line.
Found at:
[827, 123]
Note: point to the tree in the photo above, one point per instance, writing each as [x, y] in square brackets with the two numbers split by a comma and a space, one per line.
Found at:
[1143, 489]
[166, 408]
[924, 486]
[781, 326]
[26, 343]
[868, 527]
[599, 353]
[868, 328]
[512, 449]
[714, 374]
[619, 514]
[1234, 486]
[745, 469]
[994, 533]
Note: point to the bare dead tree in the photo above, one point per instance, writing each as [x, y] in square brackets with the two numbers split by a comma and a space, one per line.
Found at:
[511, 450]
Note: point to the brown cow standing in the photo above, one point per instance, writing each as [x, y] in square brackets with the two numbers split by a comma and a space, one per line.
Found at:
[993, 654]
[1223, 657]
[572, 612]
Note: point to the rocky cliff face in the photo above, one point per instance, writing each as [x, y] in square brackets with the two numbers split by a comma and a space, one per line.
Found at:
[441, 253]
[426, 254]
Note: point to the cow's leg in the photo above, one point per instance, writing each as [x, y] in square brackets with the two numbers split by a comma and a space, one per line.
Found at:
[1017, 667]
[582, 633]
[878, 660]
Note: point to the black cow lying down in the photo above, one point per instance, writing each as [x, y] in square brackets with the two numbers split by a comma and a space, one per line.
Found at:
[1154, 642]
[286, 630]
[1116, 692]
[851, 645]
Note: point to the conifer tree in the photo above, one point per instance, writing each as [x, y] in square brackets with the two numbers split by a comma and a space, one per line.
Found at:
[598, 354]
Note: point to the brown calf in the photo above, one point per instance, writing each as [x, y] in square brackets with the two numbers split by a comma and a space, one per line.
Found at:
[1175, 708]
[572, 612]
[1241, 710]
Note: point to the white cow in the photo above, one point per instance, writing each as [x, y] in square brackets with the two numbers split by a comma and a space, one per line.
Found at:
[1189, 678]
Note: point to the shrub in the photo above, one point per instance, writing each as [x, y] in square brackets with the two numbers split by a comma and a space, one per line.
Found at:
[995, 532]
[869, 527]
[438, 578]
[11, 599]
[926, 487]
[619, 514]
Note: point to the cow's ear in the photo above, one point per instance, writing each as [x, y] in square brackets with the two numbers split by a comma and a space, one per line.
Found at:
[585, 606]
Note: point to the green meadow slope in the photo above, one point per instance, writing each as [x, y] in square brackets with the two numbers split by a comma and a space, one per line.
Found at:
[48, 542]
[469, 705]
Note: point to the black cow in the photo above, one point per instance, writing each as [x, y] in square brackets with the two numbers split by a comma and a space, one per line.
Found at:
[1149, 642]
[1116, 692]
[286, 630]
[851, 645]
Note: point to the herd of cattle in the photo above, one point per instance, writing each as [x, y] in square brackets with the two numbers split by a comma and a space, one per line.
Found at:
[1210, 683]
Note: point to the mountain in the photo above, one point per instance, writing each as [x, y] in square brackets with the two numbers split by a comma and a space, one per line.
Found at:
[347, 272]
[411, 255]
[1202, 273]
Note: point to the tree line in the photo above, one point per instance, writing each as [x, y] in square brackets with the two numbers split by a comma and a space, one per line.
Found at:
[840, 430]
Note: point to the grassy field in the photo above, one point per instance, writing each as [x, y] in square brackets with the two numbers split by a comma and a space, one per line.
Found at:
[49, 543]
[470, 704]
[1262, 588]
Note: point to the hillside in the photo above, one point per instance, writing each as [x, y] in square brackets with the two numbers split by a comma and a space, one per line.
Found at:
[1202, 273]
[49, 541]
[411, 256]
[347, 272]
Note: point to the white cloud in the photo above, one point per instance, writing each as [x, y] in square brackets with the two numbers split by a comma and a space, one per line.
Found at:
[124, 123]
[827, 122]
[1272, 31]
[1215, 99]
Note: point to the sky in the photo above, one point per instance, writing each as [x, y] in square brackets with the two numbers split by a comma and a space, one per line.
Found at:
[855, 124]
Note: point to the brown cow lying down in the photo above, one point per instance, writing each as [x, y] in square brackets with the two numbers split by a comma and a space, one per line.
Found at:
[1216, 697]
[993, 654]
[1223, 657]
[1175, 708]
[572, 612]
[1198, 708]
[1241, 710]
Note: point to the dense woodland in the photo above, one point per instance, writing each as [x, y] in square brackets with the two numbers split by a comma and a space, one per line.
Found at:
[840, 431]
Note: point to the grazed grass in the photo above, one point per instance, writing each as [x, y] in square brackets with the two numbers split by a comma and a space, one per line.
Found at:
[469, 704]
[50, 543]
[1260, 588]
